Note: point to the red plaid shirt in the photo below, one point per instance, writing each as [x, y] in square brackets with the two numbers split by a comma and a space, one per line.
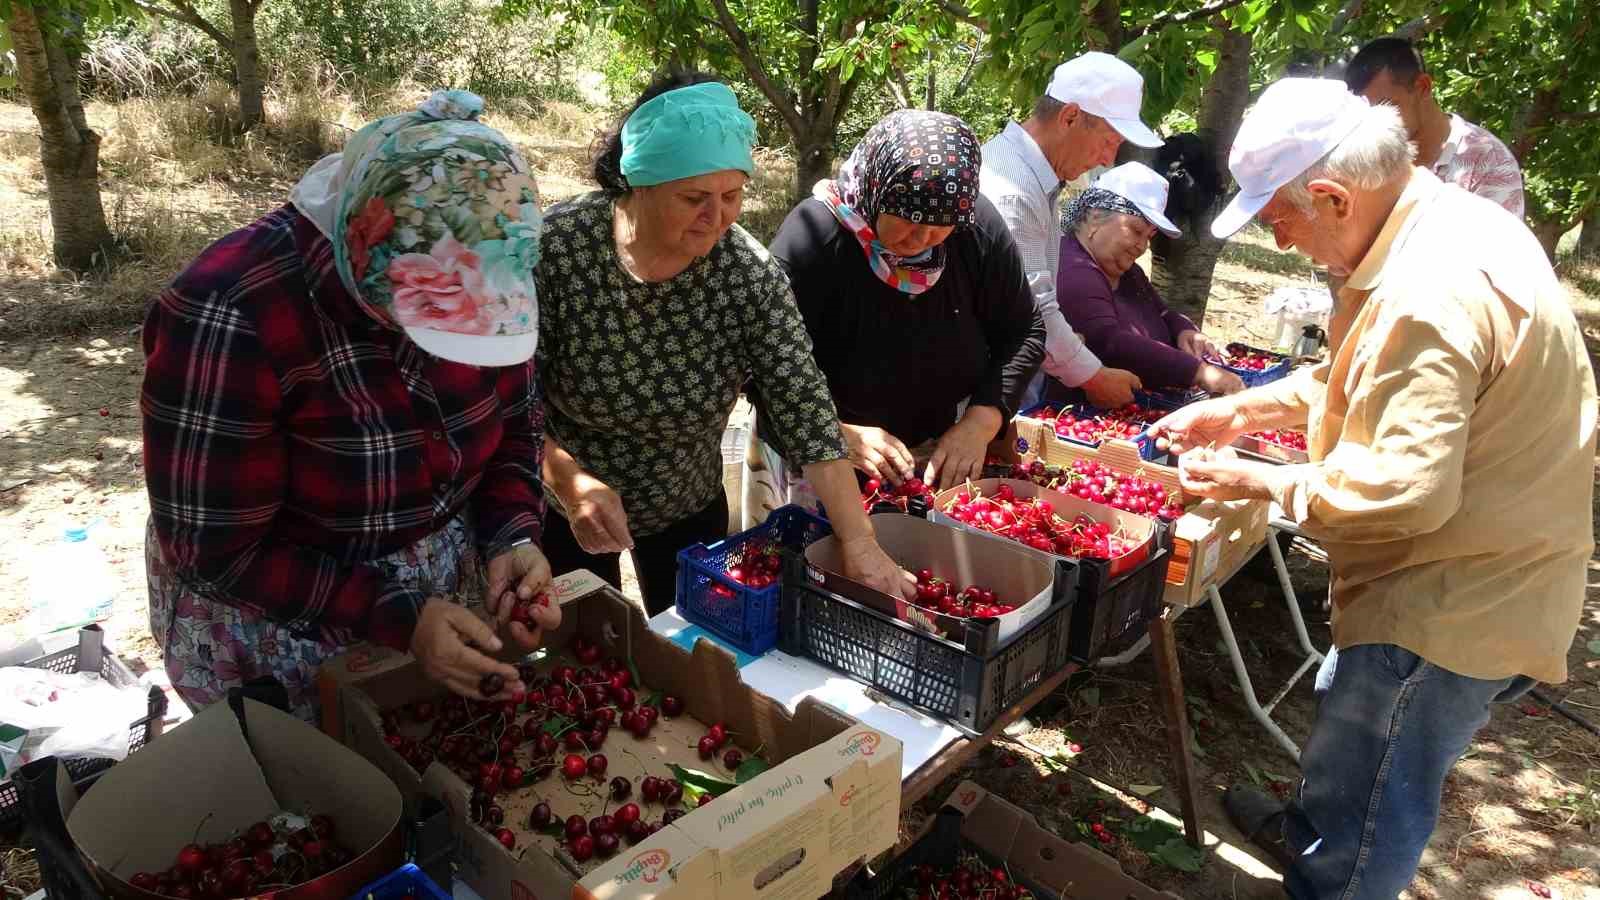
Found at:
[290, 439]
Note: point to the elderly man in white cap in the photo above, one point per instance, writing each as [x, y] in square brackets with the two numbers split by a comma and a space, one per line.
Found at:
[1091, 105]
[1452, 443]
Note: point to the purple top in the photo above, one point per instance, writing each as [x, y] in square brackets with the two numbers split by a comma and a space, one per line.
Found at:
[1128, 328]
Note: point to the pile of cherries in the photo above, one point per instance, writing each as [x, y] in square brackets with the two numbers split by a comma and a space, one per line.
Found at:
[759, 567]
[262, 858]
[1123, 423]
[1033, 522]
[942, 596]
[1294, 440]
[969, 878]
[559, 723]
[1096, 482]
[1241, 357]
[874, 492]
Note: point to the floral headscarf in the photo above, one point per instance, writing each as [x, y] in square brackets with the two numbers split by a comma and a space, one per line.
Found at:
[916, 164]
[434, 219]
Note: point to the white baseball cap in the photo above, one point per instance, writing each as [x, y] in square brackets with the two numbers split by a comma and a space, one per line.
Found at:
[1107, 87]
[1294, 124]
[1143, 187]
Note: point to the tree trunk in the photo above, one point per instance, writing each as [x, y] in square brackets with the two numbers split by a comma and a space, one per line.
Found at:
[813, 162]
[1589, 238]
[1184, 275]
[247, 63]
[68, 148]
[1549, 234]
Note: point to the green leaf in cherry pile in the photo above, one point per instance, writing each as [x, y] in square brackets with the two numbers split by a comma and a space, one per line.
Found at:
[654, 699]
[749, 769]
[711, 784]
[555, 725]
[1150, 834]
[1179, 855]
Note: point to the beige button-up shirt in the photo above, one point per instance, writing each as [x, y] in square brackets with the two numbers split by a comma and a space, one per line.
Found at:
[1452, 438]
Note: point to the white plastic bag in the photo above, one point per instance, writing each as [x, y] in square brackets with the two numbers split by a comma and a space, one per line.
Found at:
[68, 715]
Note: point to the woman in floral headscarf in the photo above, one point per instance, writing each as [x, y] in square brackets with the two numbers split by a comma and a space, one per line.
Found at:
[916, 299]
[341, 418]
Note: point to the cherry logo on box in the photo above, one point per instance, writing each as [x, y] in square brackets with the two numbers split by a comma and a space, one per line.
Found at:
[365, 658]
[865, 743]
[647, 866]
[847, 796]
[968, 797]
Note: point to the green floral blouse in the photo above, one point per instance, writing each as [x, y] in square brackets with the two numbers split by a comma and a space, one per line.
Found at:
[639, 378]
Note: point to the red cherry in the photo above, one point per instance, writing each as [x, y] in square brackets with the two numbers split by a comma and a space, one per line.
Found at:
[671, 793]
[637, 831]
[732, 759]
[506, 838]
[259, 835]
[192, 858]
[512, 778]
[671, 706]
[650, 789]
[707, 747]
[144, 881]
[264, 861]
[627, 814]
[620, 680]
[602, 824]
[597, 765]
[717, 733]
[606, 844]
[582, 848]
[704, 799]
[573, 767]
[621, 788]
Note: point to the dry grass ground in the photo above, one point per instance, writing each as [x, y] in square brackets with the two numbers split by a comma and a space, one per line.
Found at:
[1522, 810]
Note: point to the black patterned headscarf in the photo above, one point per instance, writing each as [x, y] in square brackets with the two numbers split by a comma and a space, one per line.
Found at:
[919, 165]
[1097, 198]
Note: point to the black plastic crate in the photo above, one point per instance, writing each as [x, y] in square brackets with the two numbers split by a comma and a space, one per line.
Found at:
[968, 688]
[89, 655]
[1111, 613]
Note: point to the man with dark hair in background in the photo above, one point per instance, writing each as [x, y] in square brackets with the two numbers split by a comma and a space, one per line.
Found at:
[1390, 70]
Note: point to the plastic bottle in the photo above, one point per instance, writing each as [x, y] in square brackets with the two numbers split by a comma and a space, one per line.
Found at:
[70, 584]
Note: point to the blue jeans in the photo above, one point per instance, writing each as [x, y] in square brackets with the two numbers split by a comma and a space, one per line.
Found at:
[1390, 725]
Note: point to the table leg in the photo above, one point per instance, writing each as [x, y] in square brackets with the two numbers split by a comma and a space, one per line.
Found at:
[1242, 676]
[1169, 684]
[1289, 597]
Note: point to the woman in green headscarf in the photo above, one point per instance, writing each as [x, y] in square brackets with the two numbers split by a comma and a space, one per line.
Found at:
[341, 418]
[657, 307]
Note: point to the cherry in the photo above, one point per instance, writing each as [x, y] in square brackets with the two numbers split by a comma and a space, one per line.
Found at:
[606, 844]
[649, 713]
[704, 799]
[597, 737]
[264, 861]
[573, 767]
[312, 849]
[576, 826]
[144, 881]
[236, 876]
[672, 815]
[547, 744]
[581, 848]
[259, 835]
[574, 740]
[506, 838]
[621, 788]
[491, 684]
[495, 815]
[732, 759]
[623, 697]
[637, 830]
[512, 778]
[717, 733]
[671, 793]
[707, 747]
[621, 679]
[671, 706]
[638, 726]
[650, 789]
[489, 770]
[210, 883]
[588, 654]
[627, 814]
[597, 765]
[192, 858]
[539, 818]
[602, 824]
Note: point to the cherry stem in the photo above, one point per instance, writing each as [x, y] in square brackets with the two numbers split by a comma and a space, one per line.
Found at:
[197, 828]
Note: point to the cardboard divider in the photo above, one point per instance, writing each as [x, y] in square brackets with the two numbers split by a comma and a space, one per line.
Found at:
[1037, 440]
[1009, 569]
[694, 852]
[207, 779]
[1210, 543]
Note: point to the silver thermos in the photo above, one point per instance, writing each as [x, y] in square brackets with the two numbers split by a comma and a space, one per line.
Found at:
[1311, 341]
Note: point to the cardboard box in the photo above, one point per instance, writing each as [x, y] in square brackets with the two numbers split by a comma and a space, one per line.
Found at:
[213, 778]
[1051, 867]
[1037, 440]
[781, 836]
[963, 556]
[708, 681]
[1211, 542]
[1269, 451]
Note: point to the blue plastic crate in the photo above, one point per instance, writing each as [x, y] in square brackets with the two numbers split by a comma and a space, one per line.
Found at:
[406, 881]
[1253, 378]
[1145, 443]
[742, 616]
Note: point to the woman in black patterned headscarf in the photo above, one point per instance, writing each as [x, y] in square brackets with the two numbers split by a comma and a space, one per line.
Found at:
[916, 300]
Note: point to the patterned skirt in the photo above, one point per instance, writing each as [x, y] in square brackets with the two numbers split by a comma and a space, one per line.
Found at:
[209, 647]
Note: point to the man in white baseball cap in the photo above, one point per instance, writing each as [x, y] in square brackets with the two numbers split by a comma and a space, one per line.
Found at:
[1090, 106]
[1452, 440]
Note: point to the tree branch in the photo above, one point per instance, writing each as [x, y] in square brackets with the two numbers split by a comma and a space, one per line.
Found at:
[972, 69]
[1170, 18]
[810, 49]
[900, 87]
[962, 14]
[758, 72]
[1420, 26]
[1344, 17]
[187, 15]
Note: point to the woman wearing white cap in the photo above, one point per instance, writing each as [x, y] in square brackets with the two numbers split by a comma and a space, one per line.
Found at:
[1106, 297]
[341, 419]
